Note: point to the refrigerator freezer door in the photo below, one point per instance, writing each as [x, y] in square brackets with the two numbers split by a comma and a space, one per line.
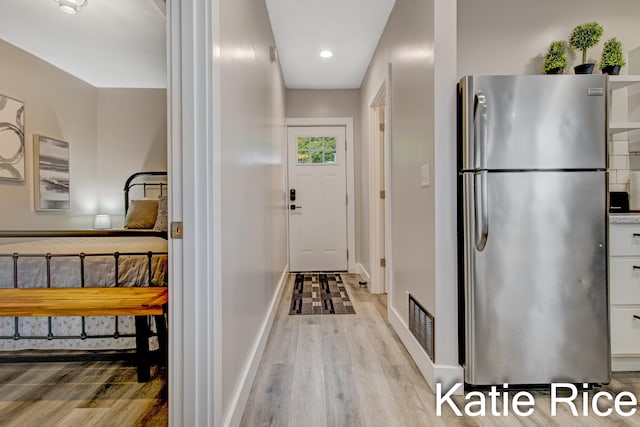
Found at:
[534, 122]
[536, 294]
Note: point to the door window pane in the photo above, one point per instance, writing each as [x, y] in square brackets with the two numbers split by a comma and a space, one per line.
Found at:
[330, 157]
[316, 150]
[316, 143]
[303, 156]
[330, 143]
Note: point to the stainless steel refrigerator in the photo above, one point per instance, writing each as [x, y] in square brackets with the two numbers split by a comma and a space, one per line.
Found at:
[533, 229]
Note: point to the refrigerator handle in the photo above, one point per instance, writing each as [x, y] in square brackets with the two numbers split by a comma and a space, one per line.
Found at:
[480, 129]
[481, 209]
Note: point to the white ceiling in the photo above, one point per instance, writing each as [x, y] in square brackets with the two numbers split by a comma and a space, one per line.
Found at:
[111, 43]
[350, 28]
[121, 43]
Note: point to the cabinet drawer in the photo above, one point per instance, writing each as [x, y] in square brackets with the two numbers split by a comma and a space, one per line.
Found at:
[625, 331]
[624, 280]
[622, 240]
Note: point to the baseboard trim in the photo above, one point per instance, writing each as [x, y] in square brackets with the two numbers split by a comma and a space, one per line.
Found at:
[447, 375]
[363, 272]
[241, 395]
[625, 363]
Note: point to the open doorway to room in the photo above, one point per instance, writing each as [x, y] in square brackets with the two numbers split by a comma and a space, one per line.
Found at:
[379, 189]
[106, 105]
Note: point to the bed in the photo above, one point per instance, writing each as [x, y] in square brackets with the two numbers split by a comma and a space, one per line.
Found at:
[135, 256]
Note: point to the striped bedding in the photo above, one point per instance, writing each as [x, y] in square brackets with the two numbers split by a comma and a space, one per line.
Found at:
[99, 271]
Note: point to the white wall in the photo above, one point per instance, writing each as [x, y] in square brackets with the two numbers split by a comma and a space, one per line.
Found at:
[634, 92]
[407, 43]
[132, 137]
[520, 35]
[318, 103]
[323, 103]
[111, 133]
[252, 135]
[422, 132]
[521, 31]
[59, 106]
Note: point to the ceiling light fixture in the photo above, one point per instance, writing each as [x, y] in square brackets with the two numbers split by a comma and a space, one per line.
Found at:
[326, 54]
[71, 6]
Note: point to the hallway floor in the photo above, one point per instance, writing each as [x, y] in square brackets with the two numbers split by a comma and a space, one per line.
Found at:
[337, 370]
[352, 370]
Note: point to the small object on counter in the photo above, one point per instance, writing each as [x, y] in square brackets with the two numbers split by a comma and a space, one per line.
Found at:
[618, 202]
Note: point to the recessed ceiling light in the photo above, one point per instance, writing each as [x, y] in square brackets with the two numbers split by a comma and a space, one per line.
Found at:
[326, 54]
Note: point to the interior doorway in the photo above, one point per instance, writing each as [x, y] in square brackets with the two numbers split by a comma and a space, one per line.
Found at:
[379, 194]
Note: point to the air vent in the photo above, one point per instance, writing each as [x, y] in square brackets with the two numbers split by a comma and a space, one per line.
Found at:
[422, 326]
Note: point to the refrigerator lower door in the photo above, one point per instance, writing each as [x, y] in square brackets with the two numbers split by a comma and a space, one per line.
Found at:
[536, 298]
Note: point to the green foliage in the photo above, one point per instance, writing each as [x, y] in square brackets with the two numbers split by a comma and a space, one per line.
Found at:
[585, 36]
[556, 56]
[612, 54]
[316, 149]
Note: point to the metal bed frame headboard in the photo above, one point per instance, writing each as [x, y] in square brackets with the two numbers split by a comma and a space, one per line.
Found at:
[129, 184]
[82, 258]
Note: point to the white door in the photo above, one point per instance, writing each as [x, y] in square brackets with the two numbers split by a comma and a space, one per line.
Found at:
[317, 199]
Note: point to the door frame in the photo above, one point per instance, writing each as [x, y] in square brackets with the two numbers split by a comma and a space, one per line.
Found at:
[347, 123]
[378, 221]
[377, 168]
[194, 179]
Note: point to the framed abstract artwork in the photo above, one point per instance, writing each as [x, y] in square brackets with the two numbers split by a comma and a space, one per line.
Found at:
[51, 174]
[11, 139]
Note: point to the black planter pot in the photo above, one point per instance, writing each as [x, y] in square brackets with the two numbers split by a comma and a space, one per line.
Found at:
[613, 70]
[584, 68]
[558, 70]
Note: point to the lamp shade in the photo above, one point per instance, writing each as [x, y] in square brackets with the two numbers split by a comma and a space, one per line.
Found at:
[102, 222]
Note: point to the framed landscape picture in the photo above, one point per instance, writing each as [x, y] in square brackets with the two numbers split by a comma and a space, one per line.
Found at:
[51, 174]
[11, 139]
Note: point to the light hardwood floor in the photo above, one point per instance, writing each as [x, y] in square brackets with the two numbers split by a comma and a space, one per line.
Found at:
[66, 394]
[352, 370]
[327, 370]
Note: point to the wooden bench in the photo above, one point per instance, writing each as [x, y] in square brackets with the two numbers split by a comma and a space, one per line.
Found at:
[139, 302]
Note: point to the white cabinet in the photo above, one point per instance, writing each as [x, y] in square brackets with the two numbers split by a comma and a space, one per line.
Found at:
[619, 82]
[624, 295]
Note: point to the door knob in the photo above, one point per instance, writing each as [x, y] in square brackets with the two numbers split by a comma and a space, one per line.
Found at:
[294, 207]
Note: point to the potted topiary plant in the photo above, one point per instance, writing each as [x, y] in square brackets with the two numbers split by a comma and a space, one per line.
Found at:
[612, 57]
[582, 38]
[556, 59]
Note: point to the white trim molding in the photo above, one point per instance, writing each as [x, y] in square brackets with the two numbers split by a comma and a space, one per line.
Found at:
[388, 238]
[362, 271]
[248, 375]
[625, 363]
[195, 188]
[444, 167]
[447, 375]
[379, 166]
[347, 122]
